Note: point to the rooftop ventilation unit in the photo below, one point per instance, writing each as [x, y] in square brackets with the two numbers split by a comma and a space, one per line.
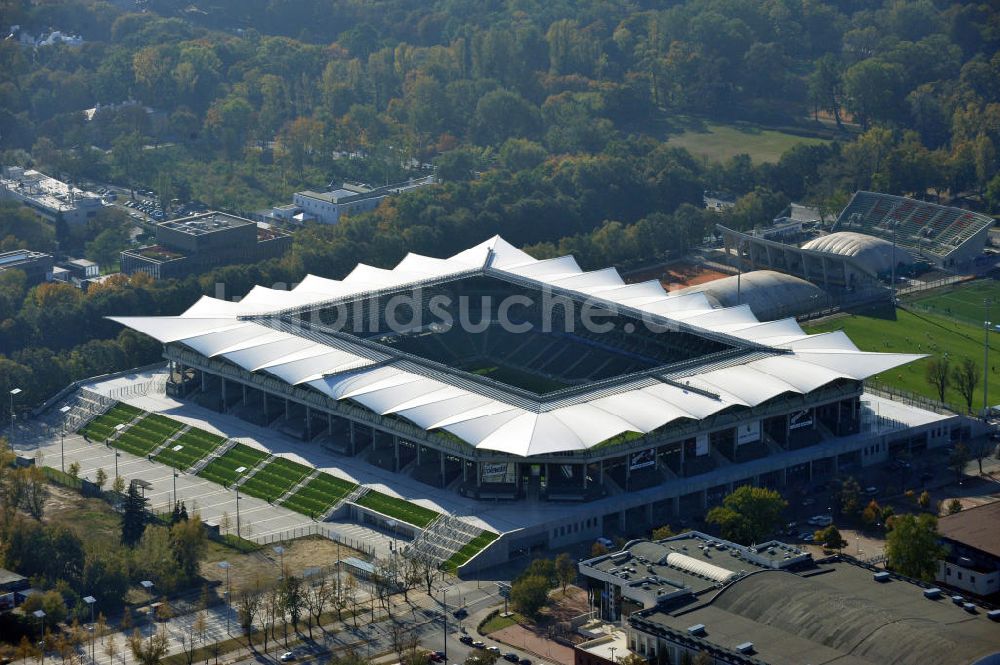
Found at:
[882, 577]
[698, 629]
[745, 648]
[933, 593]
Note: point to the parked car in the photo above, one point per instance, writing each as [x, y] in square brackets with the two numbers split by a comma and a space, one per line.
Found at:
[479, 644]
[460, 613]
[806, 537]
[821, 520]
[287, 657]
[493, 649]
[466, 639]
[871, 490]
[524, 661]
[511, 656]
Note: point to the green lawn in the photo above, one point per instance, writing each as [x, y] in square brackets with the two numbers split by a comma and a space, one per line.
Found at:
[521, 379]
[962, 301]
[398, 508]
[195, 444]
[471, 549]
[718, 142]
[275, 478]
[319, 494]
[916, 332]
[146, 434]
[103, 426]
[222, 470]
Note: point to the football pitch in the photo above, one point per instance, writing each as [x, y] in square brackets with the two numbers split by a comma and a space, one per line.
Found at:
[906, 331]
[962, 301]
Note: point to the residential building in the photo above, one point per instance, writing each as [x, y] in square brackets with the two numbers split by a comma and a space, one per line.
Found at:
[350, 199]
[12, 588]
[36, 265]
[52, 199]
[972, 538]
[204, 241]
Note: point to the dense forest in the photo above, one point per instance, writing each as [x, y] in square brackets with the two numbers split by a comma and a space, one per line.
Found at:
[546, 122]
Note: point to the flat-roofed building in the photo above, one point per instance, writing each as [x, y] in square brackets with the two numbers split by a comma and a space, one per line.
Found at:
[972, 538]
[201, 242]
[35, 265]
[834, 610]
[51, 199]
[350, 199]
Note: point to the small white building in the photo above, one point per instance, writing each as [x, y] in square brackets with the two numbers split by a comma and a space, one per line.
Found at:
[349, 199]
[50, 198]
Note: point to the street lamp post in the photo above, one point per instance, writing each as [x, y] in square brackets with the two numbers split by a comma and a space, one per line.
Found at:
[238, 535]
[62, 438]
[444, 601]
[175, 488]
[148, 586]
[40, 615]
[986, 358]
[225, 566]
[13, 393]
[117, 455]
[90, 600]
[280, 551]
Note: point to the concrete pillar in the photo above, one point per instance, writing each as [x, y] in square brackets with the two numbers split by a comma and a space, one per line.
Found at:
[704, 499]
[395, 452]
[204, 382]
[682, 457]
[267, 416]
[479, 475]
[288, 408]
[418, 453]
[244, 393]
[784, 476]
[444, 476]
[649, 514]
[465, 470]
[600, 472]
[222, 408]
[308, 424]
[354, 449]
[675, 506]
[329, 423]
[584, 468]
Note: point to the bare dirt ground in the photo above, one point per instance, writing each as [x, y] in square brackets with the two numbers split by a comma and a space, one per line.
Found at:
[677, 275]
[262, 566]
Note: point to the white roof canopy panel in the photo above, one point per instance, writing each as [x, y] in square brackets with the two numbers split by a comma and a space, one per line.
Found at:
[489, 419]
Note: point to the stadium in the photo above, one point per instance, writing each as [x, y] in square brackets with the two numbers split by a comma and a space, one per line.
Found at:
[875, 237]
[665, 405]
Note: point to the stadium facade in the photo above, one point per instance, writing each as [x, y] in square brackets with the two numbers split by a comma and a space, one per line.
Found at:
[485, 373]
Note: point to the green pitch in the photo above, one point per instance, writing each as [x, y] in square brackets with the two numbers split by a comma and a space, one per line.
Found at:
[962, 301]
[916, 332]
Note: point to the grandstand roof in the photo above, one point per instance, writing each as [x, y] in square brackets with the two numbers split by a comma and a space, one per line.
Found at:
[925, 228]
[768, 359]
[769, 294]
[872, 253]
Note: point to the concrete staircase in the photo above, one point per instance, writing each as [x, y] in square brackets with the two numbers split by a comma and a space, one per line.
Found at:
[297, 486]
[248, 474]
[353, 497]
[223, 448]
[173, 437]
[443, 537]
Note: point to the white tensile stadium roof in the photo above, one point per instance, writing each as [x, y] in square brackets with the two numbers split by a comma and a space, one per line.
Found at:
[214, 328]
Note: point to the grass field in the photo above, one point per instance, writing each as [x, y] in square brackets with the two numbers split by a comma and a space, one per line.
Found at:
[319, 494]
[471, 549]
[916, 332]
[195, 444]
[401, 509]
[275, 478]
[146, 435]
[962, 301]
[718, 142]
[222, 470]
[103, 426]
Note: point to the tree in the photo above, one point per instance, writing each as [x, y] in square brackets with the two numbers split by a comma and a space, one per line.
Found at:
[74, 470]
[938, 374]
[831, 537]
[133, 517]
[565, 570]
[529, 594]
[151, 650]
[958, 460]
[248, 606]
[188, 543]
[874, 90]
[100, 478]
[924, 500]
[111, 648]
[662, 532]
[954, 506]
[291, 599]
[118, 486]
[748, 514]
[872, 513]
[965, 377]
[912, 546]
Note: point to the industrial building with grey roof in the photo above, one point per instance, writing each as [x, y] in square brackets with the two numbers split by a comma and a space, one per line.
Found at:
[774, 604]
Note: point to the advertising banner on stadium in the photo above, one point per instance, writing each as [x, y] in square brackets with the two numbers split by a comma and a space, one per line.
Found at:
[643, 459]
[799, 419]
[701, 445]
[748, 433]
[499, 472]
